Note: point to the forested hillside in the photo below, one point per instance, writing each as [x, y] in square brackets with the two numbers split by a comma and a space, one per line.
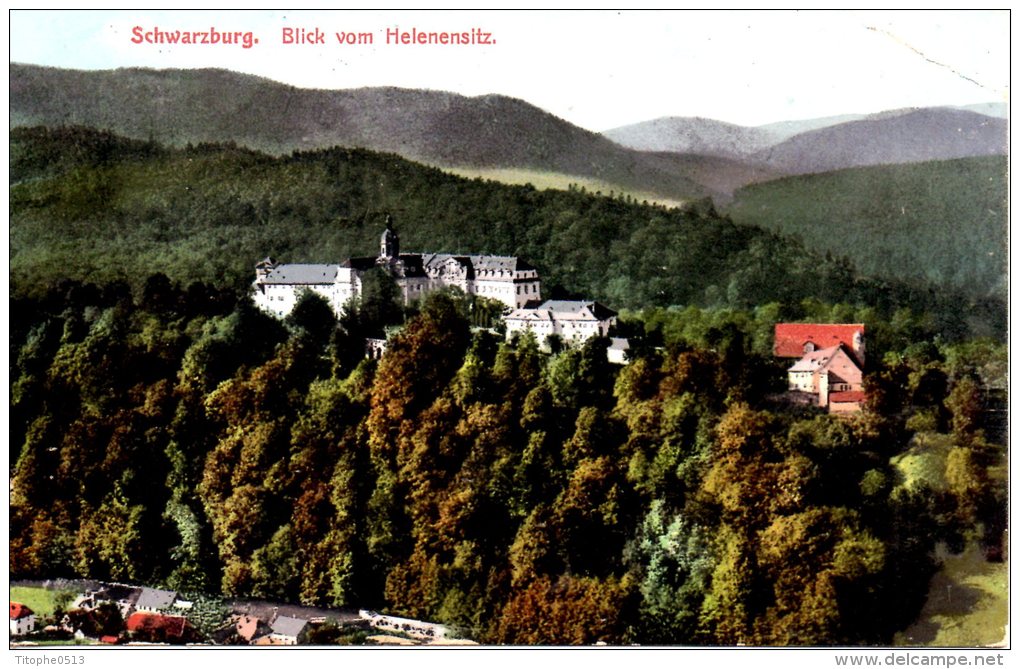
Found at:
[943, 222]
[888, 138]
[164, 431]
[177, 107]
[94, 207]
[183, 439]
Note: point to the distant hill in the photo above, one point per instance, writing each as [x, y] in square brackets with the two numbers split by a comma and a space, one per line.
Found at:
[783, 130]
[179, 107]
[995, 109]
[695, 135]
[831, 143]
[890, 138]
[942, 221]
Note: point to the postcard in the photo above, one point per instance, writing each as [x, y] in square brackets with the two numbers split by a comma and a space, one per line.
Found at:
[676, 332]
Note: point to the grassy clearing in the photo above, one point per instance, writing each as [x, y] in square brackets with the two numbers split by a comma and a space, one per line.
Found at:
[968, 604]
[925, 461]
[40, 600]
[554, 181]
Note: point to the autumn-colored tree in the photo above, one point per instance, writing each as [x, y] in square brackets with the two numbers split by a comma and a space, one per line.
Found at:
[565, 611]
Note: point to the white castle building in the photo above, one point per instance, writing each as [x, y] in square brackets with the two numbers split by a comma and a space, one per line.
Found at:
[507, 279]
[572, 321]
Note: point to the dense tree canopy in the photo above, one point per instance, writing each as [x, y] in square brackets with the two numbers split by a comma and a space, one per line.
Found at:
[95, 207]
[164, 430]
[181, 437]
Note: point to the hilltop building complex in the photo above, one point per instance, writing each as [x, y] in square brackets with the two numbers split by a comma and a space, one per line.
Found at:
[506, 279]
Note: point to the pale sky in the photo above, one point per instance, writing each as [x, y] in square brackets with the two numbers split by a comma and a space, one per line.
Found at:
[596, 69]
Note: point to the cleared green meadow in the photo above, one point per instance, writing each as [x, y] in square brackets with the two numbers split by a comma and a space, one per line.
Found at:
[967, 606]
[40, 600]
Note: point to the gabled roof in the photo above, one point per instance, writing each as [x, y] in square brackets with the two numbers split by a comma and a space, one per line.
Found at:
[500, 263]
[173, 626]
[153, 598]
[790, 338]
[301, 274]
[823, 360]
[530, 314]
[288, 626]
[19, 611]
[582, 308]
[815, 360]
[563, 310]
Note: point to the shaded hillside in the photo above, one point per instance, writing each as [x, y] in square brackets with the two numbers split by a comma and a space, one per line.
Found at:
[191, 106]
[942, 221]
[125, 210]
[720, 175]
[891, 138]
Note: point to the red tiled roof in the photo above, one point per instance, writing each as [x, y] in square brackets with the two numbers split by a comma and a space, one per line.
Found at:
[174, 626]
[19, 611]
[248, 627]
[791, 337]
[847, 396]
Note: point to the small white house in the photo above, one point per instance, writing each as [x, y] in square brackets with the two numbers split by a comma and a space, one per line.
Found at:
[22, 619]
[618, 349]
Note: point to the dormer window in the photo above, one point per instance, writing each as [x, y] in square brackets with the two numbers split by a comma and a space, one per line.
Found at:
[809, 347]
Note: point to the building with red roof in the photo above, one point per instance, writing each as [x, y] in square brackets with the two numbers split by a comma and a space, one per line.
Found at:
[159, 628]
[794, 340]
[22, 619]
[830, 363]
[846, 402]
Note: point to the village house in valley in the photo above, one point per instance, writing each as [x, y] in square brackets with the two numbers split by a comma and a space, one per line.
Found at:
[22, 619]
[830, 363]
[160, 628]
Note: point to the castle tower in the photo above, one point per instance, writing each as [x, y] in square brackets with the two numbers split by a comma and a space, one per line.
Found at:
[389, 245]
[264, 267]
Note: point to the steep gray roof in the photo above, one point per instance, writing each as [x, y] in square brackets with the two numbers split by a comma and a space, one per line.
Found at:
[302, 274]
[597, 310]
[153, 598]
[480, 263]
[287, 626]
[505, 263]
